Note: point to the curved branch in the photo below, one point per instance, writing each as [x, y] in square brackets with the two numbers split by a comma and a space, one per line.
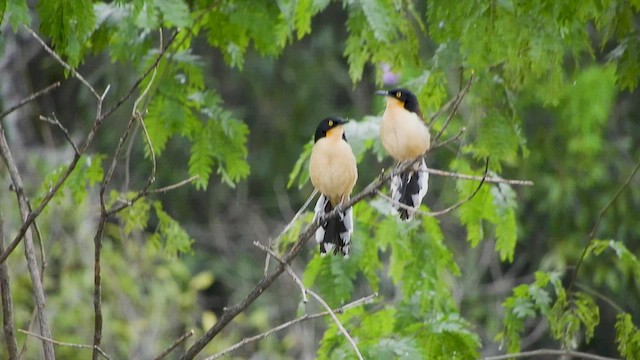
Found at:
[548, 352]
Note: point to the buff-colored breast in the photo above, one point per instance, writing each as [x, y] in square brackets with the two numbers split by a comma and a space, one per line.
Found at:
[333, 168]
[404, 135]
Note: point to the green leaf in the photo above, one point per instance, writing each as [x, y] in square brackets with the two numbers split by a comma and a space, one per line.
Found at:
[17, 11]
[627, 336]
[169, 236]
[201, 159]
[69, 26]
[380, 15]
[175, 12]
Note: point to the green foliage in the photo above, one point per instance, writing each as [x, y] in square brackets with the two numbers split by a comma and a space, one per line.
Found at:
[169, 235]
[527, 301]
[17, 12]
[567, 317]
[493, 203]
[627, 337]
[69, 25]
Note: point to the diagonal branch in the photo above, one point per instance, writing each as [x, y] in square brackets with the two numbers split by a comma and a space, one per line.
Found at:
[29, 99]
[340, 310]
[454, 107]
[64, 64]
[175, 344]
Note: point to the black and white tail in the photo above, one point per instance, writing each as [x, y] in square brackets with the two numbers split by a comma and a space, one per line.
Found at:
[409, 188]
[335, 234]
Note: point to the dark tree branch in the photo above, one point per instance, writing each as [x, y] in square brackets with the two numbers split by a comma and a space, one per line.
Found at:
[29, 250]
[548, 352]
[7, 304]
[29, 99]
[340, 310]
[175, 344]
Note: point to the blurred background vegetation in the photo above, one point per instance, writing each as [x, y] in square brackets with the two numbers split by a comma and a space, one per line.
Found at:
[566, 110]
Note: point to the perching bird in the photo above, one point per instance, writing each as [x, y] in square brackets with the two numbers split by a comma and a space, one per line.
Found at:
[405, 136]
[333, 172]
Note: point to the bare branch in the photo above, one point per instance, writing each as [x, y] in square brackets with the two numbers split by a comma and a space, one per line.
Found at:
[174, 186]
[454, 108]
[54, 121]
[60, 343]
[592, 233]
[448, 141]
[340, 310]
[295, 277]
[7, 304]
[488, 179]
[549, 352]
[337, 321]
[63, 63]
[29, 250]
[29, 99]
[175, 344]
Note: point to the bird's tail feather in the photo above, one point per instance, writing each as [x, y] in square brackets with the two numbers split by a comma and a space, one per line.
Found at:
[409, 188]
[335, 234]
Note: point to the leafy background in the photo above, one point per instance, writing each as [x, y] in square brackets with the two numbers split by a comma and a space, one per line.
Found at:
[236, 100]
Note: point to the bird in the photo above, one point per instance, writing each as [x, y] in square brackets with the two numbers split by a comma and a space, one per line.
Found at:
[405, 136]
[333, 172]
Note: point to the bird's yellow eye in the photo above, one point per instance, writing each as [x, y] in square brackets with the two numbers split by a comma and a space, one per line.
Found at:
[398, 94]
[330, 122]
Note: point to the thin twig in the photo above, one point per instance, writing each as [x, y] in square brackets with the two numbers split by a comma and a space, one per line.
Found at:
[488, 179]
[340, 310]
[54, 121]
[274, 242]
[600, 296]
[60, 343]
[29, 99]
[455, 106]
[7, 304]
[337, 321]
[29, 250]
[175, 344]
[174, 186]
[592, 233]
[287, 267]
[448, 141]
[548, 352]
[62, 62]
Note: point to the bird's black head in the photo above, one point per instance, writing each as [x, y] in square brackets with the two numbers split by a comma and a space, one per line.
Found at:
[327, 125]
[406, 97]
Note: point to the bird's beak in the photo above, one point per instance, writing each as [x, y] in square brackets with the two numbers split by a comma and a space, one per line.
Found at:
[382, 93]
